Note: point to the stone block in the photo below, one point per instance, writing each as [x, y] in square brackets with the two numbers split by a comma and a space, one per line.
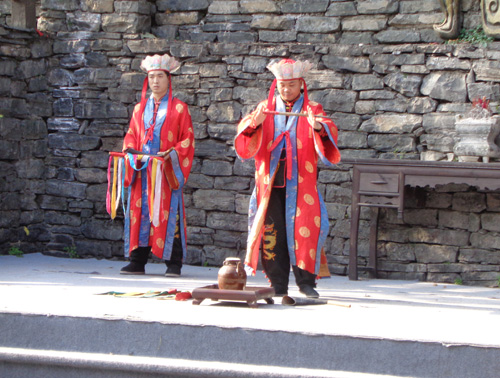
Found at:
[364, 23]
[213, 70]
[66, 189]
[226, 49]
[433, 253]
[215, 255]
[196, 217]
[258, 6]
[235, 183]
[200, 236]
[241, 203]
[392, 123]
[249, 95]
[31, 68]
[365, 82]
[30, 169]
[69, 5]
[435, 63]
[224, 112]
[314, 24]
[91, 175]
[54, 218]
[178, 18]
[299, 6]
[63, 107]
[63, 124]
[392, 142]
[277, 36]
[469, 202]
[377, 6]
[125, 23]
[402, 253]
[73, 141]
[222, 131]
[200, 181]
[98, 6]
[237, 37]
[341, 9]
[214, 200]
[478, 256]
[228, 221]
[349, 139]
[335, 100]
[438, 236]
[486, 70]
[449, 86]
[182, 5]
[80, 21]
[422, 105]
[100, 109]
[272, 22]
[485, 241]
[347, 63]
[408, 85]
[223, 7]
[135, 6]
[217, 168]
[102, 230]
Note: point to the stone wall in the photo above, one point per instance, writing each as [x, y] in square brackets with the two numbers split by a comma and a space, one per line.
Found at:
[392, 86]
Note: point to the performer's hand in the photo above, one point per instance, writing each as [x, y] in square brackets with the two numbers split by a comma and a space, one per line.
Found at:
[165, 154]
[259, 116]
[312, 120]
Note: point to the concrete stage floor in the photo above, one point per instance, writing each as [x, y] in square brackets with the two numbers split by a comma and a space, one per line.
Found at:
[423, 321]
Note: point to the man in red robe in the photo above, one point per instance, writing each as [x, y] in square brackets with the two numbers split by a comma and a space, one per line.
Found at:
[160, 127]
[287, 214]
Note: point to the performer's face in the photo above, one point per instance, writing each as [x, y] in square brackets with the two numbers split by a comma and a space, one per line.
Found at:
[289, 90]
[158, 82]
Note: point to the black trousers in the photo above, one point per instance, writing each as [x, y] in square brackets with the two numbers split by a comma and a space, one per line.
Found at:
[141, 254]
[275, 258]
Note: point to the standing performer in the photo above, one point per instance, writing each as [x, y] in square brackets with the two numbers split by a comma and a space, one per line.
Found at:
[287, 213]
[160, 125]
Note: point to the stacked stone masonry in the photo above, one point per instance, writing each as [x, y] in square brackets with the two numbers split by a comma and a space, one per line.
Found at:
[392, 85]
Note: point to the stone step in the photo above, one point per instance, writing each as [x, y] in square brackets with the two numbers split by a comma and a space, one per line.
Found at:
[16, 362]
[54, 342]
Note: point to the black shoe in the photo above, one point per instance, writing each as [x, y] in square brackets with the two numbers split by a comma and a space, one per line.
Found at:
[309, 291]
[173, 271]
[133, 268]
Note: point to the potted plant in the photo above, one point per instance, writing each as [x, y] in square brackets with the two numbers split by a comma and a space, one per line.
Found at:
[476, 133]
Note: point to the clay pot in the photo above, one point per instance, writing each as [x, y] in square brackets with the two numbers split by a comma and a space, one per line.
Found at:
[232, 275]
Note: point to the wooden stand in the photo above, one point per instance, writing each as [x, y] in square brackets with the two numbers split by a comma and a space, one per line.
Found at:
[250, 294]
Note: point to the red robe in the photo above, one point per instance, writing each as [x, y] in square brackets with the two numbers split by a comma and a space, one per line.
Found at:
[176, 134]
[307, 219]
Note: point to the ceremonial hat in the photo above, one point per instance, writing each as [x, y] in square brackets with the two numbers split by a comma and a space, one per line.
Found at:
[159, 62]
[288, 69]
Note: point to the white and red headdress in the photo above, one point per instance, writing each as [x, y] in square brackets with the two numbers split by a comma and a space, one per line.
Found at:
[157, 63]
[288, 69]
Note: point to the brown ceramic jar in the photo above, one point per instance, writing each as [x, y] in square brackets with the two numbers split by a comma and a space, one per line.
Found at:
[232, 275]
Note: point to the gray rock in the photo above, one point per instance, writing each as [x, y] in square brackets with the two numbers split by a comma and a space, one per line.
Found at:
[277, 36]
[66, 189]
[364, 23]
[214, 200]
[449, 86]
[73, 141]
[346, 63]
[182, 5]
[312, 24]
[298, 6]
[258, 6]
[125, 23]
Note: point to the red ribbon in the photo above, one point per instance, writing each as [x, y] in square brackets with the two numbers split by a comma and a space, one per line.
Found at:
[288, 143]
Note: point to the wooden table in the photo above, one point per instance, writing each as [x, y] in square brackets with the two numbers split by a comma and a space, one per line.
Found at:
[380, 183]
